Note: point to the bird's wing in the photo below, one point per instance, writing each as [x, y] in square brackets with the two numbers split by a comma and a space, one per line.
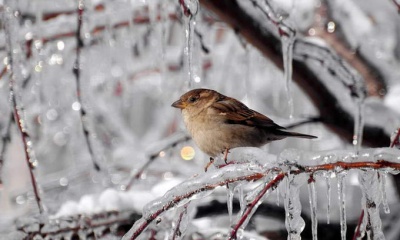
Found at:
[238, 113]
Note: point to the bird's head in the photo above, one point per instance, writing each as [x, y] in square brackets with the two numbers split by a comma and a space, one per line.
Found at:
[197, 100]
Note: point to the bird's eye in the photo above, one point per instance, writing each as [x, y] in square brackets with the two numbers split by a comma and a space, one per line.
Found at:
[192, 99]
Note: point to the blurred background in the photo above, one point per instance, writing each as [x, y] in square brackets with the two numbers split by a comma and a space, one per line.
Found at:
[132, 58]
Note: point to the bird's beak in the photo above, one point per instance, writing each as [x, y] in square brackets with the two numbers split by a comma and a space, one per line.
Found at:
[179, 104]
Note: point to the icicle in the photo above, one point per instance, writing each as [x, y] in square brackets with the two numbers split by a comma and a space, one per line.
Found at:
[190, 22]
[277, 196]
[313, 207]
[383, 192]
[241, 196]
[342, 204]
[358, 124]
[230, 193]
[329, 190]
[371, 201]
[287, 52]
[294, 222]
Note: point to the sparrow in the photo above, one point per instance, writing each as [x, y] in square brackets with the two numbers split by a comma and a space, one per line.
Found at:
[218, 123]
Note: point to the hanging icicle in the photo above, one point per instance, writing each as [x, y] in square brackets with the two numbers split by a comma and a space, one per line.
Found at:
[382, 180]
[328, 196]
[371, 200]
[294, 222]
[312, 196]
[190, 9]
[287, 53]
[342, 203]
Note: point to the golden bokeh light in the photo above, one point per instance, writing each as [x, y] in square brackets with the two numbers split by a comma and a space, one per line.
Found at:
[187, 153]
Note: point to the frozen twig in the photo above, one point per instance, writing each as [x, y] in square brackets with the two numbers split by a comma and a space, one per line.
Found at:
[360, 220]
[177, 232]
[283, 28]
[167, 143]
[185, 8]
[10, 17]
[250, 207]
[77, 73]
[396, 139]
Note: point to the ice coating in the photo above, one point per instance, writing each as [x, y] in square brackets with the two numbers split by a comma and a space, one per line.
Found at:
[194, 188]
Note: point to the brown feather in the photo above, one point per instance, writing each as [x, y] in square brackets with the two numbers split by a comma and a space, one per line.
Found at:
[237, 113]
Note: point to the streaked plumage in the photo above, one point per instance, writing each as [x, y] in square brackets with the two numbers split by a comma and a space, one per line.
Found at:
[217, 122]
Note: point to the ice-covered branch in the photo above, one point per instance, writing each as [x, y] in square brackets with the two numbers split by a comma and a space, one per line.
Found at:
[291, 163]
[327, 28]
[154, 152]
[10, 19]
[316, 83]
[77, 73]
[193, 188]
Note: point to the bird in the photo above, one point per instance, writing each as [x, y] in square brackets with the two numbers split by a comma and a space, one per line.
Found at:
[218, 123]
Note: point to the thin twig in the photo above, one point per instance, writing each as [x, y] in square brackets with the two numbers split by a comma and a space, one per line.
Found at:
[77, 73]
[177, 232]
[396, 139]
[249, 208]
[185, 8]
[18, 110]
[153, 156]
[358, 228]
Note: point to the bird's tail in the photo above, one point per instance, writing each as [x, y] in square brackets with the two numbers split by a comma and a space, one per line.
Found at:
[295, 134]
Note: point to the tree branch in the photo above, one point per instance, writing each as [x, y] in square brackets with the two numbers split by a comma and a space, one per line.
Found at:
[336, 118]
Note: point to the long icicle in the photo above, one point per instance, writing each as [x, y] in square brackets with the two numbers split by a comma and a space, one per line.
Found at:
[328, 195]
[287, 53]
[313, 207]
[342, 204]
[190, 11]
